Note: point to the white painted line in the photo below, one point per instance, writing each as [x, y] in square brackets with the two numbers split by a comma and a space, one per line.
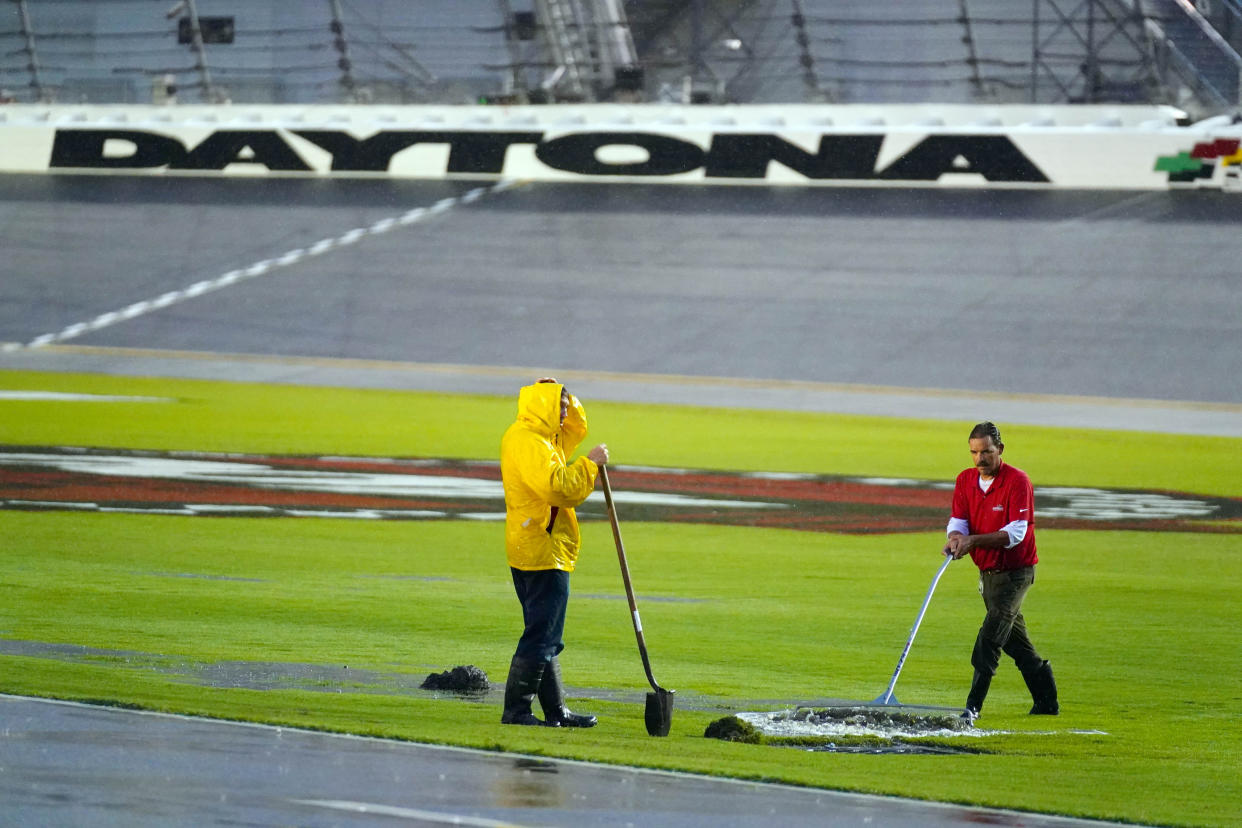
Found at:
[496, 516]
[136, 309]
[199, 288]
[166, 299]
[57, 504]
[61, 396]
[508, 183]
[357, 514]
[434, 817]
[259, 268]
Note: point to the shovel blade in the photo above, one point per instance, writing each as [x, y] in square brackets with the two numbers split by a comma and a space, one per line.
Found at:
[659, 713]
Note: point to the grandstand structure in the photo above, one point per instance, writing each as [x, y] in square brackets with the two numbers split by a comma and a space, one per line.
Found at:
[1183, 53]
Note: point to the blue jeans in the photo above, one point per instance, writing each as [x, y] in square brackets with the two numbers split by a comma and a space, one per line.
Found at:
[544, 594]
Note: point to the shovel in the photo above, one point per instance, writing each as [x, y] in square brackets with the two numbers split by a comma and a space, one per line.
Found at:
[659, 713]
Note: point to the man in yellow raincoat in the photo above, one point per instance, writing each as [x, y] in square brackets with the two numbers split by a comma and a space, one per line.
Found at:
[541, 541]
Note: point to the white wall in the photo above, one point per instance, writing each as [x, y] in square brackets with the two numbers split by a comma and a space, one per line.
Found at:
[1113, 147]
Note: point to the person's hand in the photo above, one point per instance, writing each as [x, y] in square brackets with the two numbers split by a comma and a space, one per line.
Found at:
[599, 455]
[958, 546]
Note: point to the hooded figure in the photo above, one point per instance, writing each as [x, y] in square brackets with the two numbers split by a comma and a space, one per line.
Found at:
[541, 541]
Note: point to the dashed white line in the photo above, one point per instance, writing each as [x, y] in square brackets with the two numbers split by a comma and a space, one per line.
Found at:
[257, 269]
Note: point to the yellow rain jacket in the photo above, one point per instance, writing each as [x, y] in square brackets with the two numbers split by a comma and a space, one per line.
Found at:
[541, 487]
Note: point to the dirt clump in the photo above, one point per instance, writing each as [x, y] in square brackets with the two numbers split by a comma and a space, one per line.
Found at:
[461, 679]
[733, 729]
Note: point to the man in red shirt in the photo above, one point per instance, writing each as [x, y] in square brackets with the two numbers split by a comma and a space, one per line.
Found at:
[993, 520]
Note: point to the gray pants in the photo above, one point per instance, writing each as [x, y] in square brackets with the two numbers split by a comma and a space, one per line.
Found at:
[1004, 629]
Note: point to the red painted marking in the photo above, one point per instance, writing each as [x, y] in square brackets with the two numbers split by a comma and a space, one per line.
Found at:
[821, 504]
[1215, 149]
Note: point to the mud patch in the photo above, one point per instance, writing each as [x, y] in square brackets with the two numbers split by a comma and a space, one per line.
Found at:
[244, 675]
[661, 599]
[465, 679]
[202, 577]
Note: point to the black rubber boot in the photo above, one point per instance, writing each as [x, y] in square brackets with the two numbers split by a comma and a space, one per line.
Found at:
[979, 685]
[1043, 690]
[552, 698]
[520, 689]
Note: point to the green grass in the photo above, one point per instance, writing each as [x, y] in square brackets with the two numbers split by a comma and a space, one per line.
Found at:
[216, 416]
[1140, 627]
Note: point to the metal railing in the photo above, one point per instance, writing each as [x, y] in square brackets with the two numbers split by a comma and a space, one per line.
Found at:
[752, 51]
[1198, 51]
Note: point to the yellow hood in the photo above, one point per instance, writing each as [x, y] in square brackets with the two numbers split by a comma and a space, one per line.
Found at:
[541, 486]
[539, 407]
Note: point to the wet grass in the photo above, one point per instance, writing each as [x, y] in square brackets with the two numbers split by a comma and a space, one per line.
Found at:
[873, 745]
[279, 419]
[776, 635]
[1140, 627]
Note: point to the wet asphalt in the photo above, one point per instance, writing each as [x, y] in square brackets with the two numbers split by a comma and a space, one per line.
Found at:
[70, 764]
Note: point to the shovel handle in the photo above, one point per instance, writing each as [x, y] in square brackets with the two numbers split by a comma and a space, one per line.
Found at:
[625, 576]
[887, 696]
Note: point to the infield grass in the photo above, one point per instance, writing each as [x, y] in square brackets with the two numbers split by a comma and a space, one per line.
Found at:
[1140, 627]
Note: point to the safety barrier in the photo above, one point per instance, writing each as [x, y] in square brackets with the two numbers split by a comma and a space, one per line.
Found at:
[1110, 147]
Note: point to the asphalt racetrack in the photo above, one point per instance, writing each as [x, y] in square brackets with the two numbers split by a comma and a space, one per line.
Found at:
[1110, 310]
[871, 301]
[70, 764]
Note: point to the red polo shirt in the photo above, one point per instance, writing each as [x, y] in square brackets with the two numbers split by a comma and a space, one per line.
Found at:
[1009, 498]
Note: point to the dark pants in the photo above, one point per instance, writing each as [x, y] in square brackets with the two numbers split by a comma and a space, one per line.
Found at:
[1004, 629]
[544, 594]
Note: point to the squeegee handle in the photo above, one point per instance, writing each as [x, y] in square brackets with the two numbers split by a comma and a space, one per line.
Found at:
[888, 693]
[625, 576]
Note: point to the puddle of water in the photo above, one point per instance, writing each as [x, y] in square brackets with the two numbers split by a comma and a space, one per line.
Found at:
[858, 722]
[843, 730]
[894, 747]
[249, 675]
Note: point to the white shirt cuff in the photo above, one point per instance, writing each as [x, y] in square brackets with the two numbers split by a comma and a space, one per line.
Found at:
[1016, 532]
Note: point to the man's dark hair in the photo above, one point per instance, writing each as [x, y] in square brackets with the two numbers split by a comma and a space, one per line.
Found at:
[986, 429]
